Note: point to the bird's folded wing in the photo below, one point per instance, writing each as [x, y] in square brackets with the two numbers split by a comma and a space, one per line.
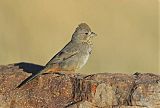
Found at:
[62, 56]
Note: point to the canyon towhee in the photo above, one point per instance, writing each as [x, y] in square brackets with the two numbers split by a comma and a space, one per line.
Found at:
[72, 57]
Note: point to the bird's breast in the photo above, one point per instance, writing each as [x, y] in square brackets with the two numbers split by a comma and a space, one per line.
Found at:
[84, 55]
[83, 60]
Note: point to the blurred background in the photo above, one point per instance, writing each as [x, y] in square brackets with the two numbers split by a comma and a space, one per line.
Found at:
[35, 30]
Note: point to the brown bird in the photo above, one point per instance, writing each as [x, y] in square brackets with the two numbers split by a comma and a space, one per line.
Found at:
[72, 57]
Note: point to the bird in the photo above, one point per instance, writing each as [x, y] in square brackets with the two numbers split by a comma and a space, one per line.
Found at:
[72, 57]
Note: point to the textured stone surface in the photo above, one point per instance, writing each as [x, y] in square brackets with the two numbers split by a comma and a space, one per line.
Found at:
[103, 90]
[146, 91]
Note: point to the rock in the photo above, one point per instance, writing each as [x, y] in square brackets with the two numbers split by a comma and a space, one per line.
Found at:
[146, 91]
[102, 90]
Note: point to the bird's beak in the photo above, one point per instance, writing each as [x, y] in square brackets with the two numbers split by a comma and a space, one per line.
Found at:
[93, 34]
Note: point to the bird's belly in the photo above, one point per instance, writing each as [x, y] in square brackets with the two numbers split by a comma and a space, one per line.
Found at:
[75, 63]
[82, 60]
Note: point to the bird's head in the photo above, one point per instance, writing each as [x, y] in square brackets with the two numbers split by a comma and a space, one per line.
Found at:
[83, 33]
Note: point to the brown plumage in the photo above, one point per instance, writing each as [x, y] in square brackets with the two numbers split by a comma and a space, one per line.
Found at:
[73, 56]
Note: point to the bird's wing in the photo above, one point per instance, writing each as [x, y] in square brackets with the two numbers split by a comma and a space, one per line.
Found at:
[66, 53]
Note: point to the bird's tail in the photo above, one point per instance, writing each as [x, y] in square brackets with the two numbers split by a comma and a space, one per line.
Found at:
[29, 79]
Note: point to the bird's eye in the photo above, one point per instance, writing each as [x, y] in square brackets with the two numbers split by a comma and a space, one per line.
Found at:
[86, 33]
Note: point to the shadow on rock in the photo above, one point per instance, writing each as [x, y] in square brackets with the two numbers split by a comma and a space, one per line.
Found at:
[29, 67]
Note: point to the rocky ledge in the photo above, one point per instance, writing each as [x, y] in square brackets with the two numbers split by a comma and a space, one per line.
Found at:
[102, 90]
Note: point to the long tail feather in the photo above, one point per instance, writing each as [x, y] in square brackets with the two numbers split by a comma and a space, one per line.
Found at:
[28, 79]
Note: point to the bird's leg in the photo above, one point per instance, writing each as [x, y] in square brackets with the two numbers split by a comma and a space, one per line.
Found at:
[59, 71]
[66, 72]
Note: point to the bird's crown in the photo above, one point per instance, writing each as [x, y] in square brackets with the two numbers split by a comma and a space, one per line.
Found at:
[83, 26]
